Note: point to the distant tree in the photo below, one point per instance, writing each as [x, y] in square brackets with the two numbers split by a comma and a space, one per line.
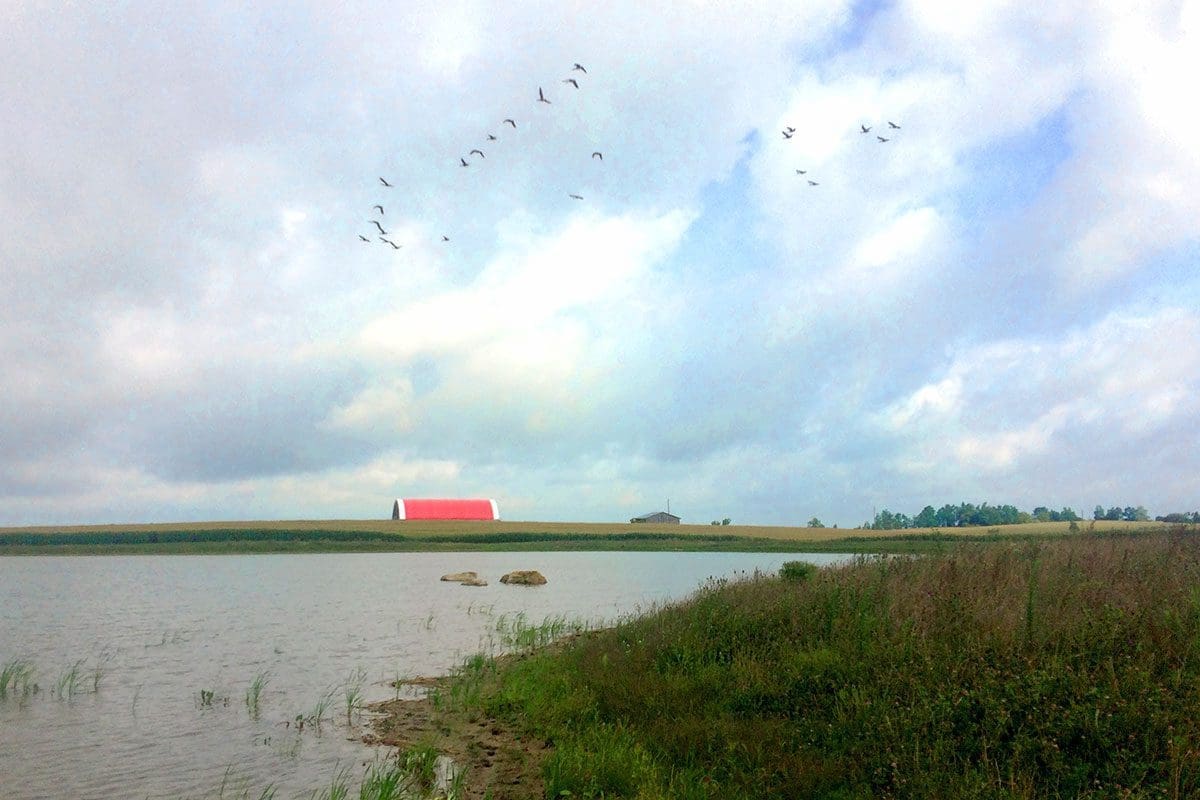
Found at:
[815, 523]
[1068, 515]
[715, 522]
[926, 519]
[726, 521]
[948, 516]
[1113, 513]
[1098, 512]
[1041, 514]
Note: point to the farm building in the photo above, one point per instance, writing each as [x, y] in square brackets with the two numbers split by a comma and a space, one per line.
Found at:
[657, 516]
[444, 508]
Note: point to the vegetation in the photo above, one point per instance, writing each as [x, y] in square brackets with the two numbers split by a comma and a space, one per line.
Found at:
[968, 514]
[1024, 669]
[254, 693]
[409, 536]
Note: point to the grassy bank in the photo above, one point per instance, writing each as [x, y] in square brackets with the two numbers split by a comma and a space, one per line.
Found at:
[1067, 668]
[416, 536]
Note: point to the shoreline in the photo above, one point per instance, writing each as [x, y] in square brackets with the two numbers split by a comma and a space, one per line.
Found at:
[374, 536]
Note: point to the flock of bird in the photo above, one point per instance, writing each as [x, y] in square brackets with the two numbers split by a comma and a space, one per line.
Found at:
[477, 155]
[788, 132]
[474, 156]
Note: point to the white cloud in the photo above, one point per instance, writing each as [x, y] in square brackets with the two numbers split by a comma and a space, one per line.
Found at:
[1006, 404]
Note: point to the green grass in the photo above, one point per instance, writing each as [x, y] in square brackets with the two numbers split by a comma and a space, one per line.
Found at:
[16, 679]
[254, 693]
[1065, 668]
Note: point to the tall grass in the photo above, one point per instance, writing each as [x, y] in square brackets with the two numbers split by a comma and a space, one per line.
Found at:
[16, 678]
[1059, 669]
[352, 692]
[254, 693]
[70, 681]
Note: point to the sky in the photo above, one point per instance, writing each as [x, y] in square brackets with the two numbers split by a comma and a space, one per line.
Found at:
[998, 303]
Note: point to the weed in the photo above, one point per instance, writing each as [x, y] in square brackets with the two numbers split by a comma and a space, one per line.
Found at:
[16, 678]
[254, 693]
[797, 570]
[70, 681]
[352, 692]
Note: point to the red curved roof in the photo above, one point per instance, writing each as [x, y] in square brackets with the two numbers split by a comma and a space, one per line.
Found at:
[444, 508]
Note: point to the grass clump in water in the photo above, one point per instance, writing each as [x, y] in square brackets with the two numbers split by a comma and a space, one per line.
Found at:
[254, 693]
[1062, 669]
[16, 679]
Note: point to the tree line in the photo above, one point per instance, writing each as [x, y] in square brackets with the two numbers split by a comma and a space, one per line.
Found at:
[969, 514]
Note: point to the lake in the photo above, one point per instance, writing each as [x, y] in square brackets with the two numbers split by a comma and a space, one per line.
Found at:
[143, 663]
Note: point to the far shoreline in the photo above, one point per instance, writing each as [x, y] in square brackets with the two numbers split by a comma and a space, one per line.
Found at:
[374, 536]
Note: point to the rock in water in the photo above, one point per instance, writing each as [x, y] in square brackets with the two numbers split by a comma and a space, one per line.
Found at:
[474, 582]
[461, 577]
[524, 577]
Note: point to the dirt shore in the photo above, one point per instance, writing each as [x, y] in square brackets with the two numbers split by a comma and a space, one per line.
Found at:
[500, 763]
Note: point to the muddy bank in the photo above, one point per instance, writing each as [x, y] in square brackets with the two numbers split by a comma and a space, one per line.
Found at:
[500, 763]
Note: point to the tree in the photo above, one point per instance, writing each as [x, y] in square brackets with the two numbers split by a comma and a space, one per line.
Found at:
[1098, 512]
[1113, 513]
[926, 519]
[815, 523]
[726, 521]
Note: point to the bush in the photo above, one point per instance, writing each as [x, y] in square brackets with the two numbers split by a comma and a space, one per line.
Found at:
[797, 570]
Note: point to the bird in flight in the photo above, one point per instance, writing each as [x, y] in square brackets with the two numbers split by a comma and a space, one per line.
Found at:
[463, 161]
[365, 239]
[813, 183]
[801, 172]
[389, 241]
[579, 68]
[445, 238]
[571, 81]
[510, 122]
[893, 125]
[476, 151]
[576, 196]
[542, 97]
[880, 138]
[789, 129]
[385, 183]
[379, 207]
[787, 134]
[382, 232]
[598, 155]
[865, 129]
[491, 138]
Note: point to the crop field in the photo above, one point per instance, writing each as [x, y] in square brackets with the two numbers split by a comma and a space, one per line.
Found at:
[384, 535]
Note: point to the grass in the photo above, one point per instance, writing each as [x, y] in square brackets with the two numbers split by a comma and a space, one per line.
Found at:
[254, 693]
[413, 535]
[1065, 668]
[70, 681]
[352, 692]
[16, 679]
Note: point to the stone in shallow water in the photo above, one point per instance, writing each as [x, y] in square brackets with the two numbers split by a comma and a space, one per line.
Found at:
[461, 577]
[524, 577]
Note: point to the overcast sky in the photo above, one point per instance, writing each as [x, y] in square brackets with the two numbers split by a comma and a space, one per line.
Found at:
[998, 303]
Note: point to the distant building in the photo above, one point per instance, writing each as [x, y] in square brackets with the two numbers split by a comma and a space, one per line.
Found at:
[444, 508]
[657, 516]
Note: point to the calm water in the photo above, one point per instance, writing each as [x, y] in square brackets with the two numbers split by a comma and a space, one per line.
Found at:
[160, 629]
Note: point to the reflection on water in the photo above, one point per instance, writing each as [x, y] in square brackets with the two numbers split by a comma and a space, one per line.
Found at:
[170, 676]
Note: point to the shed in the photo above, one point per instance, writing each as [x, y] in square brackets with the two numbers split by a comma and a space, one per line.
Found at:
[445, 508]
[657, 516]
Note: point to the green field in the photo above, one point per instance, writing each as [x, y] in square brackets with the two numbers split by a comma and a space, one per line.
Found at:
[415, 535]
[1055, 668]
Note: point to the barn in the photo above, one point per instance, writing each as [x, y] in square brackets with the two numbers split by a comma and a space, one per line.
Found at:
[444, 508]
[657, 516]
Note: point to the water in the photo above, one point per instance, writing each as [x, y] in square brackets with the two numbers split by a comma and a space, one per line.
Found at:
[157, 630]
